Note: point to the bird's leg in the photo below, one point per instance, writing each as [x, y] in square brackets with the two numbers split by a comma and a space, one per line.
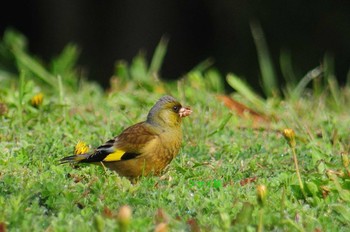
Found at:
[104, 167]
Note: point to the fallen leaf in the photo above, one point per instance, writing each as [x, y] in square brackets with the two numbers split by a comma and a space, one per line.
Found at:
[3, 108]
[242, 110]
[194, 227]
[107, 212]
[248, 180]
[2, 227]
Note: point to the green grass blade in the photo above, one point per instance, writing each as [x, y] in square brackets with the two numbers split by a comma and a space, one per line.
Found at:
[269, 78]
[122, 70]
[287, 68]
[222, 124]
[21, 92]
[158, 57]
[245, 90]
[311, 75]
[331, 80]
[16, 44]
[32, 65]
[202, 66]
[139, 68]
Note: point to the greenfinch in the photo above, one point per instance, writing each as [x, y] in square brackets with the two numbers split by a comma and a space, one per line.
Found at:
[145, 148]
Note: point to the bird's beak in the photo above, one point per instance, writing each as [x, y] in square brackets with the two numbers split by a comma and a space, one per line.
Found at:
[184, 112]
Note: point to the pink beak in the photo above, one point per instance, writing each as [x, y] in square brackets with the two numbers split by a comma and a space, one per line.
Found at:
[184, 112]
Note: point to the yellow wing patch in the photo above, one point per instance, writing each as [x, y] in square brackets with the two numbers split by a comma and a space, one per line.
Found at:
[114, 156]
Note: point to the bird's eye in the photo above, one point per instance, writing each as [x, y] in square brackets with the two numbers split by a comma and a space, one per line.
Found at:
[176, 109]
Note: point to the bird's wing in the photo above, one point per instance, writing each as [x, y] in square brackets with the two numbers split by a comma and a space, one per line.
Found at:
[128, 145]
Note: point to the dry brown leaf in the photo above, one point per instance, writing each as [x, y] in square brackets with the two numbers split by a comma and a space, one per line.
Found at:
[248, 180]
[242, 110]
[2, 227]
[194, 227]
[107, 212]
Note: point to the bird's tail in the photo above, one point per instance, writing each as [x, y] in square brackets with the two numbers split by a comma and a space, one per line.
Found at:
[75, 158]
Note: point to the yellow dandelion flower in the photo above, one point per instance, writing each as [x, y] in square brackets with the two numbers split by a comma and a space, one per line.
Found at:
[81, 148]
[37, 100]
[289, 135]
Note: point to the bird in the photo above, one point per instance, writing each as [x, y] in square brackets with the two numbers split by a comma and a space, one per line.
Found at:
[145, 148]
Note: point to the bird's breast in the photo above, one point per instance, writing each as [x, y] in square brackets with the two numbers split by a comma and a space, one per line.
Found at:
[162, 150]
[165, 144]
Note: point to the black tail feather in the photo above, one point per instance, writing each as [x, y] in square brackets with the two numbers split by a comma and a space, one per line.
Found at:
[74, 158]
[68, 159]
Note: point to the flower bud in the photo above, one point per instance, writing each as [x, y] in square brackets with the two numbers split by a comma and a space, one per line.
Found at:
[289, 135]
[261, 192]
[124, 217]
[37, 100]
[161, 227]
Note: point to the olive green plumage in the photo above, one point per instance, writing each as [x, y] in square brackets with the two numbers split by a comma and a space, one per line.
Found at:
[145, 148]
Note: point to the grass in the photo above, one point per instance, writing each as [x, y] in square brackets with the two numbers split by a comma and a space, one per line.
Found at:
[230, 175]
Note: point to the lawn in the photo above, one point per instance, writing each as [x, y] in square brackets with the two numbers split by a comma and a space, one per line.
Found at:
[239, 169]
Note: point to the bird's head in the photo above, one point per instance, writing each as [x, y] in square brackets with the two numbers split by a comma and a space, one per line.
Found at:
[167, 112]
